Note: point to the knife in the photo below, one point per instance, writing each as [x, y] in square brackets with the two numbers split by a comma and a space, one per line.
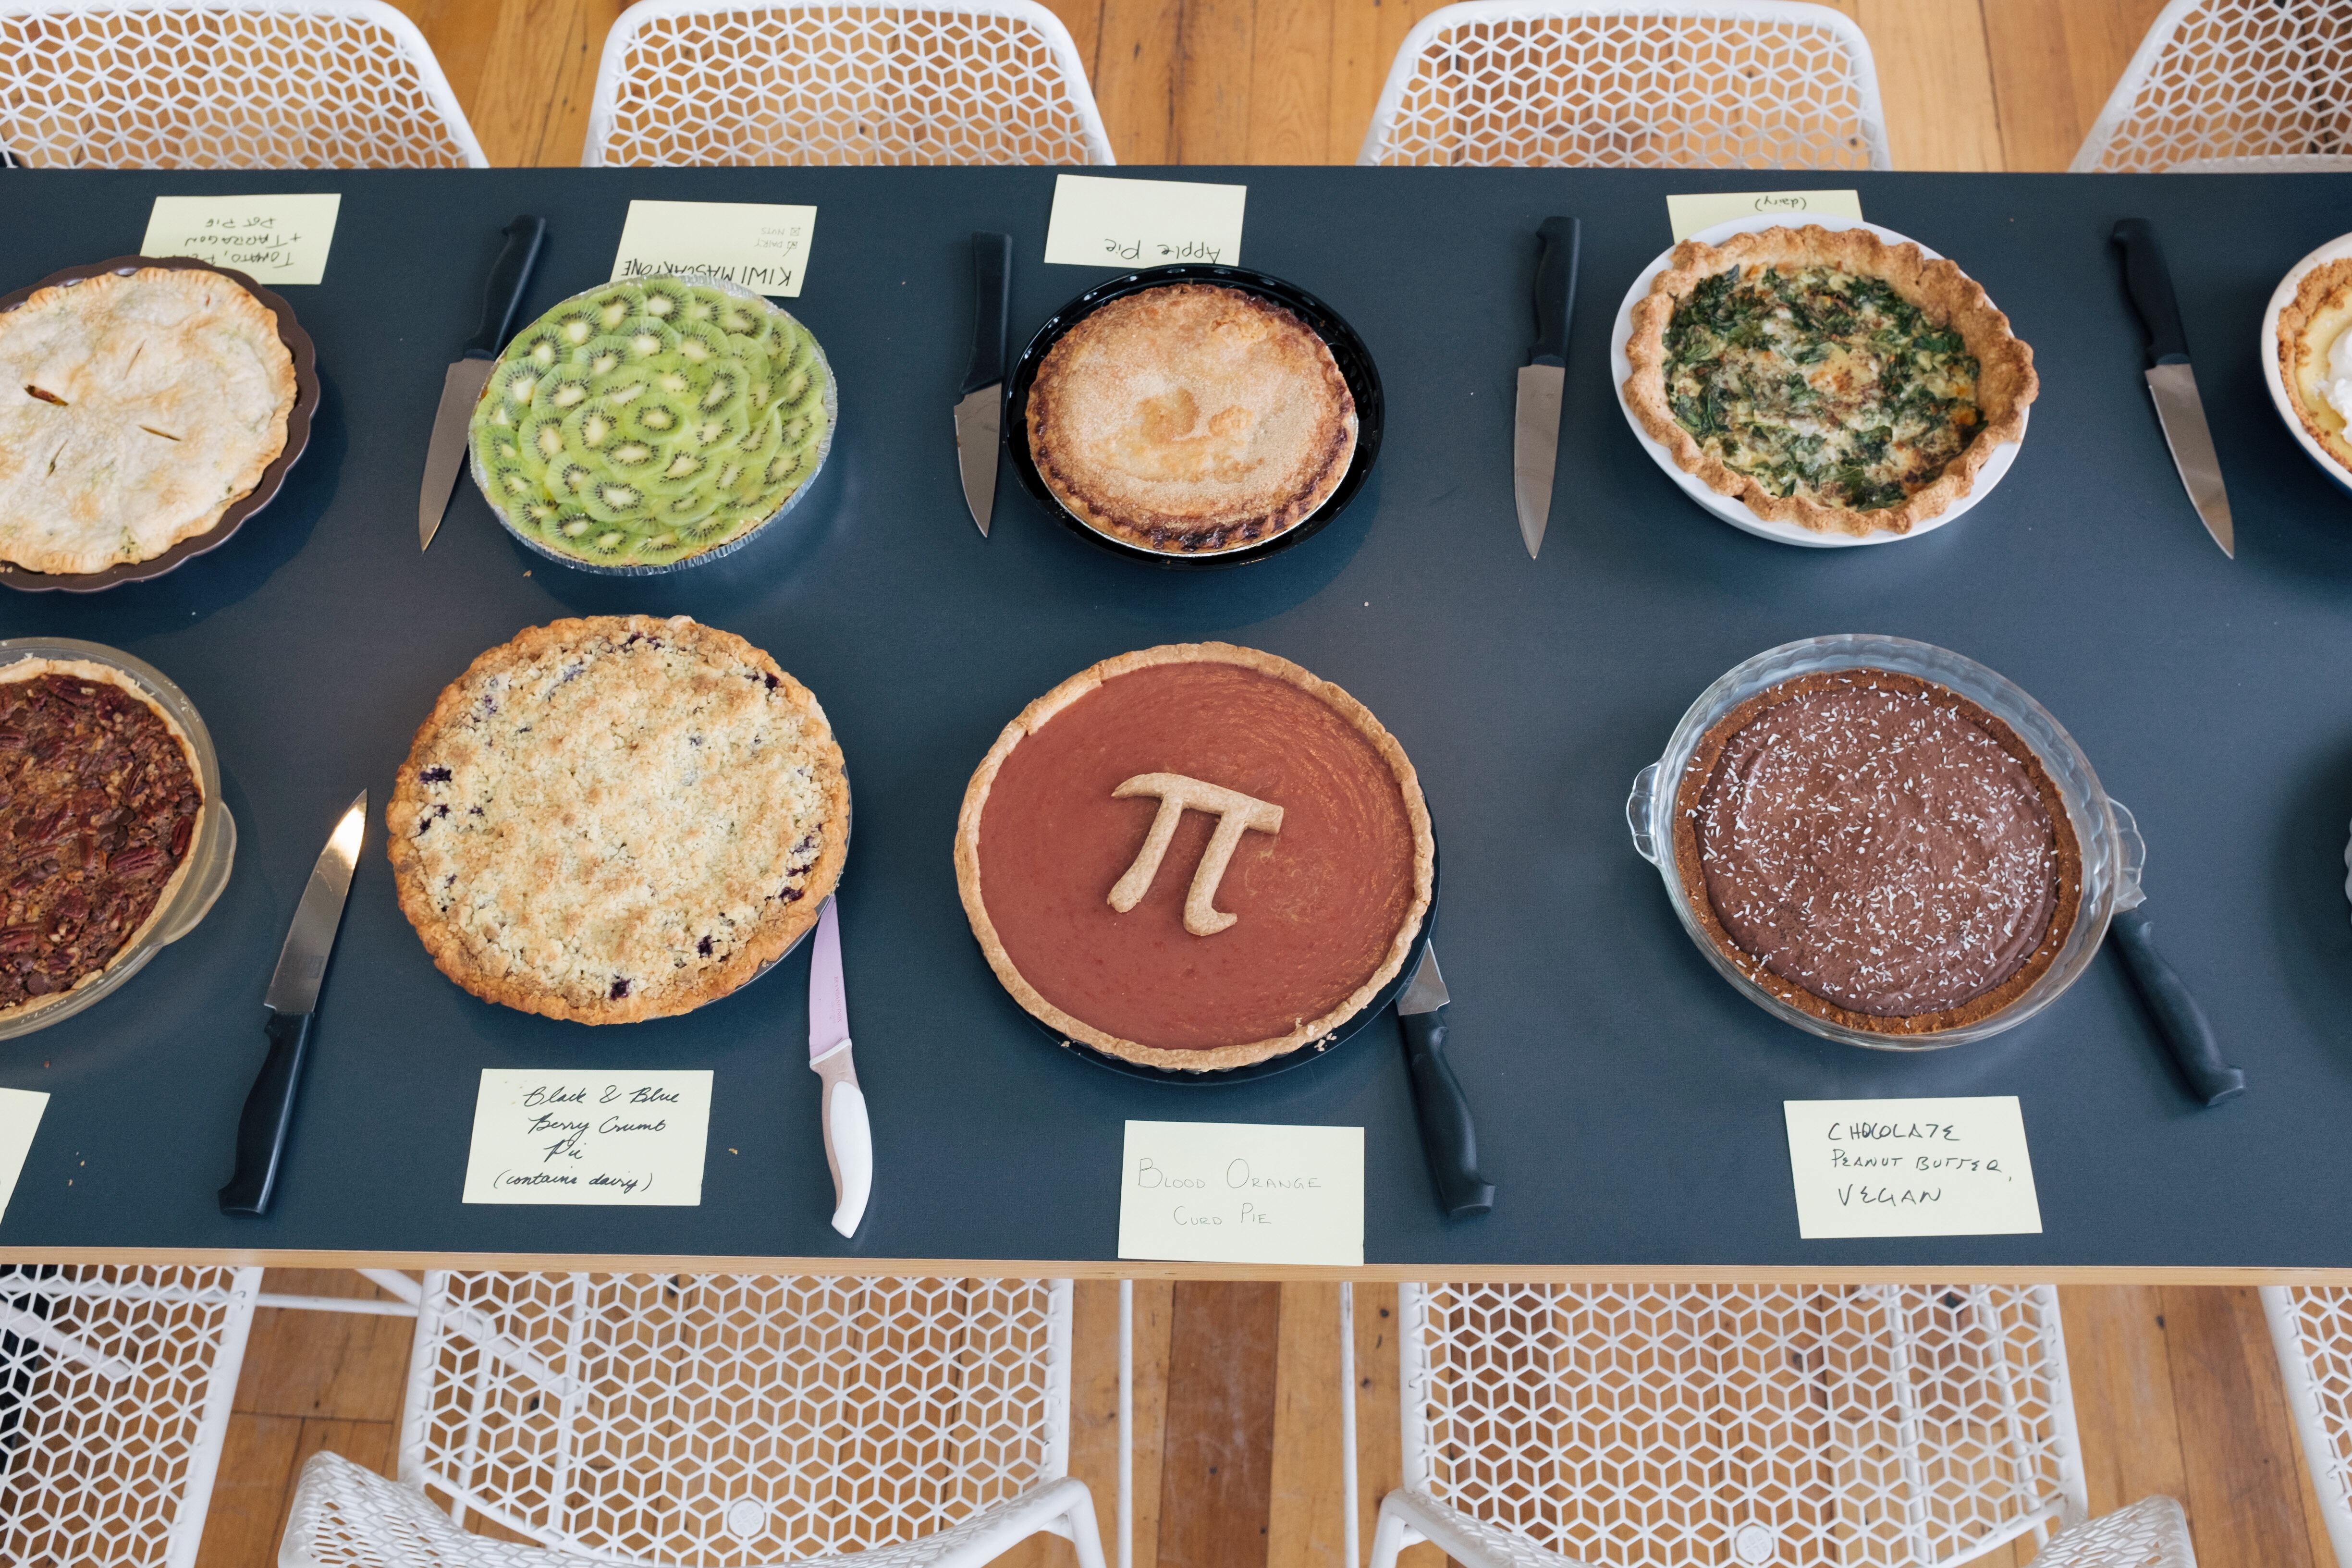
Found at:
[2171, 381]
[2180, 1022]
[1535, 435]
[980, 415]
[292, 1001]
[848, 1139]
[461, 388]
[1448, 1140]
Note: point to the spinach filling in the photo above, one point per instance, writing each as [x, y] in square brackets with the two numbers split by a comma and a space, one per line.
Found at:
[1820, 380]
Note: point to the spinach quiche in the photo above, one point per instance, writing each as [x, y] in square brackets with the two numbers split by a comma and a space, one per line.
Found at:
[1826, 378]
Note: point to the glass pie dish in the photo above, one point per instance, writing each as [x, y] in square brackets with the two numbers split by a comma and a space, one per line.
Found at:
[210, 856]
[2112, 851]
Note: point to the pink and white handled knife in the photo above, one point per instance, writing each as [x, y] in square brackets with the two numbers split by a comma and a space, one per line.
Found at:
[848, 1138]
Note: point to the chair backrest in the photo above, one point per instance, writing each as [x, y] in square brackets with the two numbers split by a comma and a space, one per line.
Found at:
[2229, 79]
[115, 1390]
[842, 81]
[1738, 84]
[224, 84]
[1804, 1427]
[2311, 1330]
[2151, 1533]
[708, 1419]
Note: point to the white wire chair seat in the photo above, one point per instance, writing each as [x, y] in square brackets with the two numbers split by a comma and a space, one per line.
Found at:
[115, 1390]
[720, 1419]
[1754, 84]
[687, 82]
[2311, 1330]
[2229, 80]
[224, 84]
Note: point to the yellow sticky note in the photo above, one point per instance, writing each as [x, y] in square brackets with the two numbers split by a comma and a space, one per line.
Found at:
[1099, 222]
[1911, 1167]
[20, 1117]
[1225, 1192]
[274, 240]
[1687, 214]
[762, 247]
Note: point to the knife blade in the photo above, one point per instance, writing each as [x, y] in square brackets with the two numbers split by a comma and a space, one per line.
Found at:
[2180, 1022]
[293, 1000]
[979, 413]
[1448, 1138]
[848, 1137]
[1535, 433]
[2170, 382]
[461, 386]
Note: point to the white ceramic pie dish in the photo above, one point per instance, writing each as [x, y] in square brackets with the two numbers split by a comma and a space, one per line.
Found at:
[2266, 355]
[1730, 509]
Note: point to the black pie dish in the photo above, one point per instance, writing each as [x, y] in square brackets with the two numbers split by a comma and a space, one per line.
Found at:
[1348, 350]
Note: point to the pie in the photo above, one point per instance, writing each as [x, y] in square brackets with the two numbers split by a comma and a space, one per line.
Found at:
[1196, 857]
[617, 818]
[135, 409]
[1825, 377]
[101, 798]
[1190, 419]
[1878, 850]
[2315, 355]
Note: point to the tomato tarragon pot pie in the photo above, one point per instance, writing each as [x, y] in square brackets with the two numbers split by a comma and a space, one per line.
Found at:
[2315, 355]
[1196, 857]
[135, 411]
[1190, 419]
[1878, 850]
[1825, 377]
[617, 818]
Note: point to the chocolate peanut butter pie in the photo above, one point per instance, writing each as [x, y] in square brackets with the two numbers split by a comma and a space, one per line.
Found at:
[1196, 857]
[1878, 850]
[617, 818]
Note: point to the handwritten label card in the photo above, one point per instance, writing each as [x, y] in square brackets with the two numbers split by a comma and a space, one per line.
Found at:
[1143, 223]
[1687, 214]
[1220, 1192]
[20, 1117]
[589, 1137]
[271, 239]
[759, 245]
[1911, 1167]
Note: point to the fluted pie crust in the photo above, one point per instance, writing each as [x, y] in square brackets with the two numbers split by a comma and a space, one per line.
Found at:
[2308, 326]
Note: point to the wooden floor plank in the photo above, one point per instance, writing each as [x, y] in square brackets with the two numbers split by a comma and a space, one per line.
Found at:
[1215, 46]
[330, 1366]
[1084, 19]
[1290, 82]
[1218, 1464]
[1935, 78]
[2120, 1364]
[249, 1498]
[1135, 79]
[1305, 1525]
[2053, 67]
[2240, 1479]
[538, 74]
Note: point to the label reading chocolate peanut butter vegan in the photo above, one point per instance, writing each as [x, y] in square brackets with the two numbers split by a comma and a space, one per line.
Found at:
[1911, 1167]
[762, 246]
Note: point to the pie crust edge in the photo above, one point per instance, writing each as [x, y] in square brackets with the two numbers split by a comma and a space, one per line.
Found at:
[2325, 287]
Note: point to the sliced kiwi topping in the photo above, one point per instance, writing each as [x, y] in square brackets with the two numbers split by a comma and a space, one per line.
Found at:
[650, 421]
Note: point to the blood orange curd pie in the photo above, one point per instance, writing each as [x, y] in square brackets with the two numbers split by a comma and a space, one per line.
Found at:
[1196, 857]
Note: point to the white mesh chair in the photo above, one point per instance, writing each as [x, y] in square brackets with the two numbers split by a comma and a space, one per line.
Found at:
[115, 1389]
[2255, 86]
[842, 81]
[2312, 1332]
[224, 84]
[1736, 84]
[1797, 1426]
[716, 1419]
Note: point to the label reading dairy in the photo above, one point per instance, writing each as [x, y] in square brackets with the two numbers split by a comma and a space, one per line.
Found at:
[1222, 1191]
[1911, 1167]
[759, 247]
[274, 240]
[557, 1137]
[1143, 223]
[1688, 214]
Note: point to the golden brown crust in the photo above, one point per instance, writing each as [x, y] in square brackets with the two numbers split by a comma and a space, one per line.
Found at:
[1042, 711]
[2308, 326]
[754, 944]
[1190, 418]
[1701, 767]
[2006, 382]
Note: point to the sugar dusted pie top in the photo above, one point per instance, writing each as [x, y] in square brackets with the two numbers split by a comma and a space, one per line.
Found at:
[618, 818]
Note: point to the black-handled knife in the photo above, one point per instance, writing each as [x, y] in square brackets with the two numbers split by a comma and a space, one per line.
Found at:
[293, 1002]
[1535, 431]
[2180, 1021]
[461, 386]
[1448, 1138]
[980, 412]
[2179, 410]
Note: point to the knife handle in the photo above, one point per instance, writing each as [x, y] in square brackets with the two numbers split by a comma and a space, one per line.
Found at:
[2178, 1020]
[267, 1117]
[509, 279]
[2149, 281]
[1563, 239]
[991, 308]
[1448, 1138]
[848, 1139]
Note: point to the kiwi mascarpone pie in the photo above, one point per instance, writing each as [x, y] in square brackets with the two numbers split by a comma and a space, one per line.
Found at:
[1190, 419]
[1825, 377]
[646, 422]
[2315, 355]
[617, 818]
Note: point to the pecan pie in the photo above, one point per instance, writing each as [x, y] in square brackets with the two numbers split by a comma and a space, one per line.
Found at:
[617, 818]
